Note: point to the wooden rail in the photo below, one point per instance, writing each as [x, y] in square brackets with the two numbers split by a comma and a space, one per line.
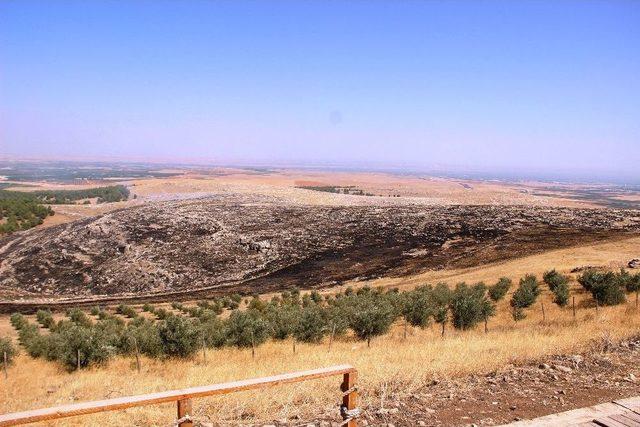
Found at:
[183, 398]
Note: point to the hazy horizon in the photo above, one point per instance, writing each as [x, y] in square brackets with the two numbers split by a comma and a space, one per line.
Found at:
[531, 88]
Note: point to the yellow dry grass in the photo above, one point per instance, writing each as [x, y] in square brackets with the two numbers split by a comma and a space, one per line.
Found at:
[392, 363]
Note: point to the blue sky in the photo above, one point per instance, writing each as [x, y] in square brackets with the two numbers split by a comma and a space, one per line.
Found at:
[495, 85]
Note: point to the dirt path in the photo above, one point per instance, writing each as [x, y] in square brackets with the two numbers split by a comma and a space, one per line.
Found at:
[517, 392]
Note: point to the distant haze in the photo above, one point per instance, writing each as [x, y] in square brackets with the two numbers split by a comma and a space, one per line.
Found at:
[508, 87]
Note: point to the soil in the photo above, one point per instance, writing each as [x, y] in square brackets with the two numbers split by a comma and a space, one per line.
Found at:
[555, 384]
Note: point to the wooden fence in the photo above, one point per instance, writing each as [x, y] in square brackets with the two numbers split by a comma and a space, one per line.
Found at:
[183, 398]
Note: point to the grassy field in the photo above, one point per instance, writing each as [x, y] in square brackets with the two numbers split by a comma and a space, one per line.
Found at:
[392, 364]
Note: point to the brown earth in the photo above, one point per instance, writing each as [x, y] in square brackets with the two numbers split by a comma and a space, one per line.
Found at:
[550, 385]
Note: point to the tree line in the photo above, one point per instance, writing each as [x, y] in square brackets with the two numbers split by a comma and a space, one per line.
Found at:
[21, 210]
[79, 340]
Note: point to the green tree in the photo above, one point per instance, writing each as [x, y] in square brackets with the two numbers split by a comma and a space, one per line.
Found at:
[468, 305]
[500, 289]
[553, 279]
[417, 306]
[606, 288]
[526, 294]
[441, 300]
[371, 316]
[7, 347]
[311, 325]
[179, 336]
[247, 328]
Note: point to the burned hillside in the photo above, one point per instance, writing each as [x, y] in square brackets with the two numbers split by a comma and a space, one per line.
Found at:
[226, 245]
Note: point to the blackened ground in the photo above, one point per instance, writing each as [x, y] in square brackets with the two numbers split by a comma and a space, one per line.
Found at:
[187, 249]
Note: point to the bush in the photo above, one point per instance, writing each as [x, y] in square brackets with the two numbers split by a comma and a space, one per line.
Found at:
[91, 344]
[45, 318]
[95, 310]
[247, 328]
[527, 292]
[6, 346]
[561, 294]
[554, 279]
[500, 289]
[147, 308]
[127, 310]
[18, 321]
[469, 305]
[79, 317]
[633, 284]
[179, 336]
[162, 313]
[606, 288]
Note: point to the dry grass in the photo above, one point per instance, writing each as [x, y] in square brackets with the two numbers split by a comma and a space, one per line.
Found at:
[391, 364]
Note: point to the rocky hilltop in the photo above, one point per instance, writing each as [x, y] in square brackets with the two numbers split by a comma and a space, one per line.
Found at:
[227, 245]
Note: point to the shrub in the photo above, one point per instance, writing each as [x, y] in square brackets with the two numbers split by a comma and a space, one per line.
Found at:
[282, 319]
[247, 328]
[605, 288]
[179, 336]
[633, 284]
[6, 346]
[316, 297]
[162, 313]
[127, 310]
[469, 305]
[45, 318]
[554, 279]
[79, 317]
[147, 308]
[561, 294]
[500, 289]
[89, 343]
[95, 310]
[18, 321]
[517, 313]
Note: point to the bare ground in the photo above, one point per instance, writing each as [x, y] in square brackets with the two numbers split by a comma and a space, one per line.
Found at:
[550, 385]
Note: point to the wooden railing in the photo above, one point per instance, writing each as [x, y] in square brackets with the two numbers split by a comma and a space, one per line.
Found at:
[183, 398]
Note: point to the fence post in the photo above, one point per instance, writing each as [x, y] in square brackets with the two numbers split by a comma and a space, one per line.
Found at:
[350, 397]
[4, 364]
[184, 413]
[135, 343]
[544, 318]
[574, 307]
